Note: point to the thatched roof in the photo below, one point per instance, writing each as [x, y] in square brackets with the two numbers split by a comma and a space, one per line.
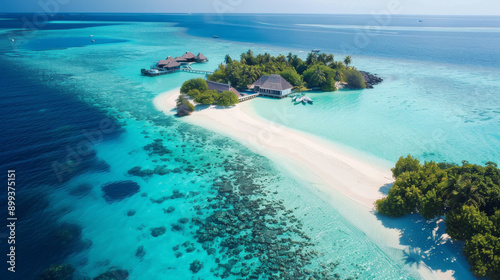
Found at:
[272, 82]
[169, 62]
[180, 59]
[189, 55]
[200, 56]
[220, 87]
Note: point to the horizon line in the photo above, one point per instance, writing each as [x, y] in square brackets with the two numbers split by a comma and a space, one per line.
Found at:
[246, 13]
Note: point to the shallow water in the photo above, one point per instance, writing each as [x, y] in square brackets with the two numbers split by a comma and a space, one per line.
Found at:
[208, 179]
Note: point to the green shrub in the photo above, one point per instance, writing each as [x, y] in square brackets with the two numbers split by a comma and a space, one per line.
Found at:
[354, 78]
[198, 83]
[227, 98]
[207, 97]
[193, 93]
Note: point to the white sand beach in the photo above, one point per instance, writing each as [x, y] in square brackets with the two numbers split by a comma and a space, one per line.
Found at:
[321, 164]
[321, 161]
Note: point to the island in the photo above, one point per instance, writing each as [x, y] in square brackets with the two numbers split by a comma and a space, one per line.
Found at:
[271, 76]
[467, 197]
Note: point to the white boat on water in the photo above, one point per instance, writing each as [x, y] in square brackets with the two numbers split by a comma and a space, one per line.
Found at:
[306, 99]
[299, 99]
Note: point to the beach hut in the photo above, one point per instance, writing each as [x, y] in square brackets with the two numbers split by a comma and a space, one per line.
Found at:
[181, 59]
[189, 56]
[169, 64]
[201, 58]
[272, 86]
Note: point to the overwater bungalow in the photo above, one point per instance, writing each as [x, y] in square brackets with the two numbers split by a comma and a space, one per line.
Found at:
[190, 57]
[272, 86]
[169, 64]
[201, 58]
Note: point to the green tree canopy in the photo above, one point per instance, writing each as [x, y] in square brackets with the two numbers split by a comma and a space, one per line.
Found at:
[198, 83]
[227, 98]
[354, 78]
[291, 76]
[207, 97]
[467, 195]
[316, 71]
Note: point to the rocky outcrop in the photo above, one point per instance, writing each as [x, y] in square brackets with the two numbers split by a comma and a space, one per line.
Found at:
[370, 79]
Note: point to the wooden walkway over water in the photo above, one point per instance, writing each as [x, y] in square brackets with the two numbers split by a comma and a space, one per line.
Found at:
[248, 97]
[187, 69]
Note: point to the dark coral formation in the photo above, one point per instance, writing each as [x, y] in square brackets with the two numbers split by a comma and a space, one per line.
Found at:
[157, 231]
[57, 272]
[140, 253]
[67, 235]
[113, 274]
[248, 231]
[196, 266]
[157, 148]
[119, 190]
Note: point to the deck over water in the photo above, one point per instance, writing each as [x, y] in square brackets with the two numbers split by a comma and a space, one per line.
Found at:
[165, 72]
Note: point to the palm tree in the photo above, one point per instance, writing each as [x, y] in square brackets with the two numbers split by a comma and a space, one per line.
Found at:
[318, 76]
[228, 59]
[312, 58]
[325, 58]
[289, 57]
[460, 191]
[347, 60]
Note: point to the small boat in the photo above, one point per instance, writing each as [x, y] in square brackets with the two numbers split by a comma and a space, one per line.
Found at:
[91, 35]
[306, 99]
[296, 96]
[12, 40]
[215, 36]
[315, 50]
[298, 100]
[93, 41]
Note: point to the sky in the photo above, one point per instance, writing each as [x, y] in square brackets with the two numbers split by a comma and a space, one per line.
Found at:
[420, 7]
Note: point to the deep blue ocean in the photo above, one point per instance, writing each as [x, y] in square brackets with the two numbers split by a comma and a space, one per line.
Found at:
[45, 111]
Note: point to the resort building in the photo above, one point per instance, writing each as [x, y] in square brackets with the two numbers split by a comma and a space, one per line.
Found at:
[220, 87]
[190, 57]
[169, 64]
[272, 86]
[201, 58]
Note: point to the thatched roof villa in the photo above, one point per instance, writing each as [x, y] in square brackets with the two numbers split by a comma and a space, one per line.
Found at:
[170, 64]
[273, 86]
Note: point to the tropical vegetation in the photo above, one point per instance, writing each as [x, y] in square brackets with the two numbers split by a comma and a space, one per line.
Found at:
[468, 196]
[184, 107]
[318, 71]
[197, 89]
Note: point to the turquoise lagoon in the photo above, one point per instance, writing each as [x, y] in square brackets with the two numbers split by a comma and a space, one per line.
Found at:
[435, 111]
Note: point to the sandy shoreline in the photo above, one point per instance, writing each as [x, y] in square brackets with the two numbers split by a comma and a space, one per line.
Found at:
[320, 161]
[311, 159]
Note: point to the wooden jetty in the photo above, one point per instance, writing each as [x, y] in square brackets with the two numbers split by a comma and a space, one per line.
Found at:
[246, 97]
[159, 72]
